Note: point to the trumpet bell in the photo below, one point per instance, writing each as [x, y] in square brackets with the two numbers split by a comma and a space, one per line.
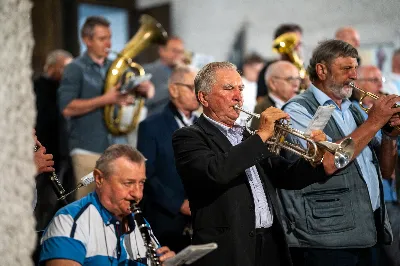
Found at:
[342, 152]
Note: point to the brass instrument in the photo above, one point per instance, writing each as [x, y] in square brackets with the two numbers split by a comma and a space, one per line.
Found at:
[286, 44]
[371, 95]
[343, 152]
[144, 229]
[123, 68]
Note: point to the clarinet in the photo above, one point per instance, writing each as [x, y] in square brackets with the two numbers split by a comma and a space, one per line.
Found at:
[56, 184]
[144, 229]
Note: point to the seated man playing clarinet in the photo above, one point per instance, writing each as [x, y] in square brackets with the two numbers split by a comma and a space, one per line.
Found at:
[106, 226]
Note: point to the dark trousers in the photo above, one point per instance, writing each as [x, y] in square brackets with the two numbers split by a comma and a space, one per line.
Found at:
[268, 248]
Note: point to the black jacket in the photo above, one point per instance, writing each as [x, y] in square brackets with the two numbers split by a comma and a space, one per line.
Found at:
[213, 173]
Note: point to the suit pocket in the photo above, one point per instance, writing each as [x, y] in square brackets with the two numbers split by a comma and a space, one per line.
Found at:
[329, 211]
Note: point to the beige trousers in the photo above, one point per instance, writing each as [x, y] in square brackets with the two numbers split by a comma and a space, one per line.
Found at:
[84, 164]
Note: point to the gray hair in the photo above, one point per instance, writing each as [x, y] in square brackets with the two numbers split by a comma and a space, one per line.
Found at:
[104, 163]
[179, 72]
[91, 22]
[205, 79]
[326, 52]
[54, 56]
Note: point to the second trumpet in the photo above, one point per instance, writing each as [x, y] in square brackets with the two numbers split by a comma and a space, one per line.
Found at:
[343, 151]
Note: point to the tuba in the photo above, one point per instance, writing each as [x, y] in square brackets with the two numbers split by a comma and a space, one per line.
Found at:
[286, 44]
[123, 69]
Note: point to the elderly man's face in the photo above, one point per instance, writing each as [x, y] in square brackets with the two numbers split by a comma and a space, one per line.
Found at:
[124, 185]
[184, 96]
[342, 71]
[286, 84]
[225, 94]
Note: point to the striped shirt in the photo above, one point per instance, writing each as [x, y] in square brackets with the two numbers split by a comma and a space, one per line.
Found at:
[264, 217]
[85, 232]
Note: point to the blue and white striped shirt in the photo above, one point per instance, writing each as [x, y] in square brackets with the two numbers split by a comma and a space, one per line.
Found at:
[264, 217]
[85, 232]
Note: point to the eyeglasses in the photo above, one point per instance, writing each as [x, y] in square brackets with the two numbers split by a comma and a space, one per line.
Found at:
[190, 87]
[374, 80]
[291, 80]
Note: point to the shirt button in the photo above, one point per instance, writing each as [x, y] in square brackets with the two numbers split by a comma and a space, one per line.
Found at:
[251, 233]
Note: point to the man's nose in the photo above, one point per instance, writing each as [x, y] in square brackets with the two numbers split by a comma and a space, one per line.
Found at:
[353, 74]
[136, 192]
[238, 95]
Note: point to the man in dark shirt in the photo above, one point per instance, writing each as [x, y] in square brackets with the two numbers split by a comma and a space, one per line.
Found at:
[82, 99]
[51, 130]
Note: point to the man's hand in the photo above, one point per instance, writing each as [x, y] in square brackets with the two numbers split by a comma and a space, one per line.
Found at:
[267, 122]
[382, 111]
[146, 89]
[394, 122]
[114, 96]
[185, 209]
[44, 162]
[316, 136]
[165, 253]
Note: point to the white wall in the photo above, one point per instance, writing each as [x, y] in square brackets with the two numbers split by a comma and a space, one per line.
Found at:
[209, 26]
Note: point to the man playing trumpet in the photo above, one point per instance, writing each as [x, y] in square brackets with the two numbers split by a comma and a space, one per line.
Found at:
[339, 221]
[230, 180]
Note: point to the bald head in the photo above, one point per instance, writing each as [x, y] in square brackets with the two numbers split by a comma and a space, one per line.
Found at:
[369, 78]
[349, 35]
[283, 79]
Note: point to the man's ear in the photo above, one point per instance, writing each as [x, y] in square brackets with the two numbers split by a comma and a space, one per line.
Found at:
[98, 177]
[203, 98]
[173, 91]
[321, 70]
[271, 84]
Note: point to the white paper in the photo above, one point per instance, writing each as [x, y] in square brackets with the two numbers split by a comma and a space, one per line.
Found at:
[190, 254]
[133, 82]
[320, 119]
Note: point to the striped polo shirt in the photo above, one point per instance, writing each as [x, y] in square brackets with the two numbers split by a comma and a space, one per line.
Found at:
[85, 232]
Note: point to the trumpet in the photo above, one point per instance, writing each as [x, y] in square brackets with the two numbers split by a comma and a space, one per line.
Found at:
[365, 94]
[343, 151]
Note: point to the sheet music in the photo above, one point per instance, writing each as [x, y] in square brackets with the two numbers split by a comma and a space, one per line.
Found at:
[133, 82]
[190, 254]
[320, 118]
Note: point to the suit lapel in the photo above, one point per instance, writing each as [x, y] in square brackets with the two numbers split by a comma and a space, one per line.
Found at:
[214, 133]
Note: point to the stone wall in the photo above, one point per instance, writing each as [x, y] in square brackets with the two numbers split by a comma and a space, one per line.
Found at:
[17, 236]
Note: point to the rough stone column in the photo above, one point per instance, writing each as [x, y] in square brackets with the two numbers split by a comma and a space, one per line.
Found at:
[17, 236]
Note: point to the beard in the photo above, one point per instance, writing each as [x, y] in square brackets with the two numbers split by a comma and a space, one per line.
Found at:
[340, 90]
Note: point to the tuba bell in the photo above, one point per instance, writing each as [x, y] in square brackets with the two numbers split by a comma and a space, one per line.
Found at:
[123, 69]
[286, 44]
